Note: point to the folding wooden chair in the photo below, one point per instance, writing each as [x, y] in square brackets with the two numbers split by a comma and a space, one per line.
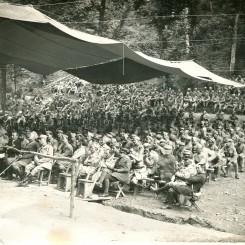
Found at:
[192, 199]
[118, 189]
[41, 176]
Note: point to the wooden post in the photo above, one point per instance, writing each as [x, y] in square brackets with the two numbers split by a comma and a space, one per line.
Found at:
[73, 183]
[3, 88]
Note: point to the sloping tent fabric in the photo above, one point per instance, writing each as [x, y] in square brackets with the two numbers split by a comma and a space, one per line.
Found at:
[42, 45]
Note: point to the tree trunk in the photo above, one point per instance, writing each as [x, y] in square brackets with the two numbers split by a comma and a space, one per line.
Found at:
[3, 88]
[15, 72]
[234, 44]
[211, 6]
[187, 27]
[102, 16]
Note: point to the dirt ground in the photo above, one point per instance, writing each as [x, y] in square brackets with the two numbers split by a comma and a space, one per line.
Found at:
[222, 205]
[39, 215]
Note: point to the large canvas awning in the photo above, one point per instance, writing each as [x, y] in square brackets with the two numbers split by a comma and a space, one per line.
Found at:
[42, 45]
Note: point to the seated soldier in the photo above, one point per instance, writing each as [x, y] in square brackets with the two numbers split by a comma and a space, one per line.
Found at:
[26, 158]
[230, 154]
[150, 159]
[52, 141]
[194, 102]
[187, 170]
[40, 162]
[120, 172]
[215, 102]
[216, 162]
[187, 98]
[233, 118]
[220, 117]
[108, 163]
[240, 148]
[228, 102]
[206, 100]
[3, 143]
[202, 155]
[221, 102]
[12, 153]
[167, 163]
[92, 161]
[138, 167]
[65, 150]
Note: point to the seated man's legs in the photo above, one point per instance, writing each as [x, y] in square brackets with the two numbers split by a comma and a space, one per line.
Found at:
[241, 163]
[8, 168]
[18, 168]
[29, 167]
[216, 172]
[62, 166]
[32, 172]
[174, 190]
[36, 170]
[234, 163]
[103, 175]
[107, 180]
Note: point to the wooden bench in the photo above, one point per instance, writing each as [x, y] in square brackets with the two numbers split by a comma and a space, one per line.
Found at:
[64, 181]
[85, 186]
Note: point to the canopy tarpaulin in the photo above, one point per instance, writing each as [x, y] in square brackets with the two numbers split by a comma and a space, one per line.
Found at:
[42, 45]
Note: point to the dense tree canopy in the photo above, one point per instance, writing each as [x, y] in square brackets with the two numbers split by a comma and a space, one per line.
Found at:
[202, 30]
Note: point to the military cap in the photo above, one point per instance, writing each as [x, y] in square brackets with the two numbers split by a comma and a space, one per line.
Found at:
[158, 136]
[167, 147]
[124, 150]
[186, 152]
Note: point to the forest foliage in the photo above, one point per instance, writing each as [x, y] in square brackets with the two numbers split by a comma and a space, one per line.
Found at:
[201, 30]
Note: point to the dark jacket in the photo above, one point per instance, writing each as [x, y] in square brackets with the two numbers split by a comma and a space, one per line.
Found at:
[122, 166]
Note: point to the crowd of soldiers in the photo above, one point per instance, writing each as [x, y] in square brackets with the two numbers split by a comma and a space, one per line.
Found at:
[133, 134]
[116, 106]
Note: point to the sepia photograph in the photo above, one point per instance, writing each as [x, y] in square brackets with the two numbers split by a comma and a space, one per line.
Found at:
[122, 122]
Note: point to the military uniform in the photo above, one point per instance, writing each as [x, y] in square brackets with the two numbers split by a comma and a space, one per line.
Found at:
[230, 154]
[240, 148]
[41, 163]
